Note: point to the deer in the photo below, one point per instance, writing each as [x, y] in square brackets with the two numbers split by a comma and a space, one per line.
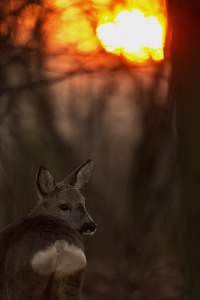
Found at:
[42, 255]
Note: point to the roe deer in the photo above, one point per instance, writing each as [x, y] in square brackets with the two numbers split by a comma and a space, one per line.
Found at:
[42, 256]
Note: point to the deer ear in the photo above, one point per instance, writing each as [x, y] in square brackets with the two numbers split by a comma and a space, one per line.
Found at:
[80, 177]
[45, 181]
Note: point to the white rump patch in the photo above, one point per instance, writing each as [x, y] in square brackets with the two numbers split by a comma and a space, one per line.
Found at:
[61, 258]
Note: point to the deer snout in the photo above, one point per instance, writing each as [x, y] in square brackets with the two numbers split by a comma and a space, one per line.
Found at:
[89, 227]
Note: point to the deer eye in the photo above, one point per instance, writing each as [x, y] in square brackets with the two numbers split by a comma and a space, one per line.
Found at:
[64, 207]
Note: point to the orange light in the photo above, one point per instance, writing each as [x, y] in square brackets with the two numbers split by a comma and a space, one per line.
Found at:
[137, 33]
[135, 30]
[70, 27]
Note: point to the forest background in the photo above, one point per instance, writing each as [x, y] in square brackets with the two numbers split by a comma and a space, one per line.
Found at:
[139, 124]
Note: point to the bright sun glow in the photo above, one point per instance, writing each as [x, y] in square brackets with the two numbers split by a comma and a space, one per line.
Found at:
[133, 33]
[135, 29]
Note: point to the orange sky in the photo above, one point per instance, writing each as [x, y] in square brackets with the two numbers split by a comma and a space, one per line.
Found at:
[73, 25]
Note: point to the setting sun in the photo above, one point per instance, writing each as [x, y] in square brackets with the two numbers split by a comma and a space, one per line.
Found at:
[133, 33]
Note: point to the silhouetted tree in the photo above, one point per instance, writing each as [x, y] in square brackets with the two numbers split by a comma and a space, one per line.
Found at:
[185, 49]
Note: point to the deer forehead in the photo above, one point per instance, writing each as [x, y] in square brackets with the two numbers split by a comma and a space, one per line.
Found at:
[70, 194]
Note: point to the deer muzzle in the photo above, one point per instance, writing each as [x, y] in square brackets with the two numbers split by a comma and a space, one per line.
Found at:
[88, 228]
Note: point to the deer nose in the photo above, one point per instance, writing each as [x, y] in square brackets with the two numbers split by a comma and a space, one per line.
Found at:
[92, 226]
[89, 227]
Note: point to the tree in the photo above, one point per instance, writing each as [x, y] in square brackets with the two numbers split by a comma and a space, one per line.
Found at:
[185, 49]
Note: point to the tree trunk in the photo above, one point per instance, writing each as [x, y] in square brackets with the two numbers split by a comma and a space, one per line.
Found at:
[185, 51]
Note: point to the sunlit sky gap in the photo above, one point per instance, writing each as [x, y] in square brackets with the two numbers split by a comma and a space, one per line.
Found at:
[135, 30]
